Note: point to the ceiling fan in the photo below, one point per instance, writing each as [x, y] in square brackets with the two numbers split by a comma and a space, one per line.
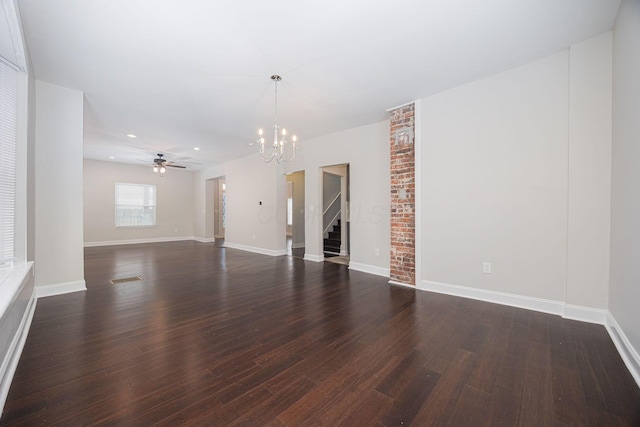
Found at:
[160, 164]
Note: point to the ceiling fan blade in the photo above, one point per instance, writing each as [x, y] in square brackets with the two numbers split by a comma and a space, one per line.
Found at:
[174, 166]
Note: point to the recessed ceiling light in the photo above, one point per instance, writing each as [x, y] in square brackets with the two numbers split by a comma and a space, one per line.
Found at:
[111, 157]
[130, 135]
[196, 148]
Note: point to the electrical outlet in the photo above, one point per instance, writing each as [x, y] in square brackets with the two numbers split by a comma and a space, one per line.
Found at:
[377, 251]
[486, 267]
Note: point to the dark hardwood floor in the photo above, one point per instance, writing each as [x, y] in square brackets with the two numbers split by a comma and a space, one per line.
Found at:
[215, 336]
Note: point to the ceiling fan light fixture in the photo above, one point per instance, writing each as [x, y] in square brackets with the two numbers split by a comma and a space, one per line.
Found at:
[160, 164]
[130, 135]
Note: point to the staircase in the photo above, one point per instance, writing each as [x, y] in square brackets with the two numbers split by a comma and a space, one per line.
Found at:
[333, 242]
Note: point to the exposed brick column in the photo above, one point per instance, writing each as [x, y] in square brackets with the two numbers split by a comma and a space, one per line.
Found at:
[403, 212]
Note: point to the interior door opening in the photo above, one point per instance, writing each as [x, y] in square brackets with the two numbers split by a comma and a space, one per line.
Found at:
[295, 215]
[335, 213]
[215, 209]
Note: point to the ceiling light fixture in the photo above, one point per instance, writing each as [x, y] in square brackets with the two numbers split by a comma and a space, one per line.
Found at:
[160, 164]
[111, 157]
[130, 135]
[282, 150]
[196, 148]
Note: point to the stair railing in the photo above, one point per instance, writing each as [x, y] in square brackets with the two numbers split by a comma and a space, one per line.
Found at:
[327, 225]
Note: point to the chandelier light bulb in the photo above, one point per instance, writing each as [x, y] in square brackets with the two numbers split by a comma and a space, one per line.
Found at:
[284, 131]
[260, 132]
[163, 169]
[294, 138]
[155, 168]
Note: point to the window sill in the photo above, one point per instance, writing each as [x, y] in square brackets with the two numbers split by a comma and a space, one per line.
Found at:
[11, 281]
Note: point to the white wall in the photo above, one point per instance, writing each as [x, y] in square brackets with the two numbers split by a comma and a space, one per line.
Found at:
[516, 172]
[624, 288]
[494, 167]
[589, 172]
[250, 181]
[58, 163]
[366, 150]
[174, 202]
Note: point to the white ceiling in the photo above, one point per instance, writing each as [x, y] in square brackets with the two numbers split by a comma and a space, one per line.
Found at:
[187, 73]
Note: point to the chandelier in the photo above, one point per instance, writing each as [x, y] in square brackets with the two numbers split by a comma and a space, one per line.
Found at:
[281, 149]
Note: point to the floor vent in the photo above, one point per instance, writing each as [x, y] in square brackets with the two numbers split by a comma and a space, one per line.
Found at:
[126, 279]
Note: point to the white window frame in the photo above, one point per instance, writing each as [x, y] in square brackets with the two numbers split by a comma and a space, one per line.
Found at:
[148, 205]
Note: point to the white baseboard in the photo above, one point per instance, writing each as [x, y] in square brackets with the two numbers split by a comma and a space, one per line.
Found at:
[60, 288]
[529, 303]
[393, 282]
[585, 314]
[314, 258]
[297, 245]
[138, 241]
[204, 239]
[567, 311]
[627, 352]
[10, 363]
[371, 269]
[263, 251]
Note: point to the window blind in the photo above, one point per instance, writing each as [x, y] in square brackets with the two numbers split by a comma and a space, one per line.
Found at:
[8, 117]
[135, 205]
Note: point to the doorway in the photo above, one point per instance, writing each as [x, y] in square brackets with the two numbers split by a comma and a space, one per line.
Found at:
[335, 213]
[215, 209]
[220, 209]
[295, 214]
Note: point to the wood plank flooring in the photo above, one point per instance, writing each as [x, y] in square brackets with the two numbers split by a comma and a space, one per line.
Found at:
[215, 336]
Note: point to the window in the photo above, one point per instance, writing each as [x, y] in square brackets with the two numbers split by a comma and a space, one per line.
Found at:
[135, 205]
[8, 117]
